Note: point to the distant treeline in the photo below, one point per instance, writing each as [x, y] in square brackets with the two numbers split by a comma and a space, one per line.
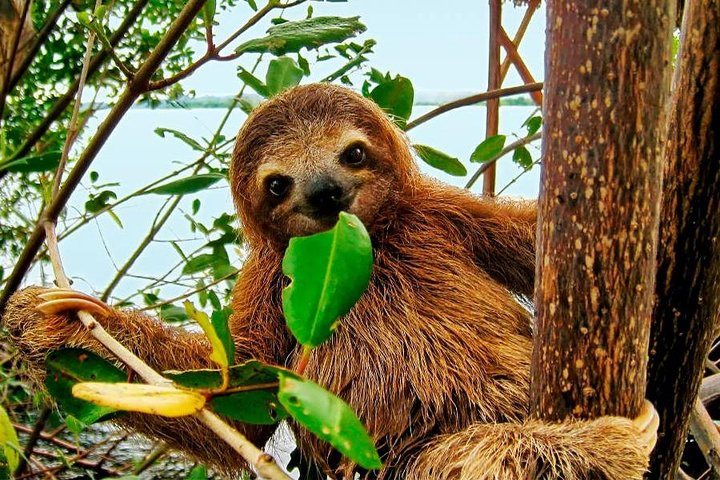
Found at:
[423, 99]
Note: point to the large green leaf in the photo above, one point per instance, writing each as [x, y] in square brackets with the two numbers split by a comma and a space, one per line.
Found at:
[489, 148]
[259, 407]
[291, 37]
[187, 185]
[440, 160]
[9, 442]
[43, 162]
[396, 97]
[246, 374]
[329, 273]
[330, 418]
[69, 366]
[282, 74]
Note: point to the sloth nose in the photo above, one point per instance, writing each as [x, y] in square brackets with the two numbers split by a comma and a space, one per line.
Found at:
[326, 197]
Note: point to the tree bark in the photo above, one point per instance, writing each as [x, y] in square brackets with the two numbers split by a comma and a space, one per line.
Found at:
[688, 272]
[607, 79]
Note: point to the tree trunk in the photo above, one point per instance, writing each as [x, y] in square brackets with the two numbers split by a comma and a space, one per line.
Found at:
[688, 272]
[607, 79]
[13, 49]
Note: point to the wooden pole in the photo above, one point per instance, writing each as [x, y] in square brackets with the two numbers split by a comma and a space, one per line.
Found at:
[688, 272]
[607, 79]
[493, 105]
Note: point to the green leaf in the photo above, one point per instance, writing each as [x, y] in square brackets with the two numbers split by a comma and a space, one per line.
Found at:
[533, 124]
[396, 98]
[252, 372]
[488, 149]
[330, 418]
[33, 163]
[219, 320]
[199, 263]
[219, 353]
[253, 82]
[195, 206]
[252, 4]
[522, 157]
[187, 185]
[69, 366]
[74, 425]
[329, 273]
[99, 201]
[180, 136]
[311, 33]
[436, 158]
[9, 441]
[258, 407]
[173, 313]
[282, 74]
[209, 13]
[198, 472]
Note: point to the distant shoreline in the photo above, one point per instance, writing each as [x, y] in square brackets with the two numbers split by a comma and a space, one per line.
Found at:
[421, 99]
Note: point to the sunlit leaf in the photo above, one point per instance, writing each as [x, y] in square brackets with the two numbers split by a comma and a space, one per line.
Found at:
[258, 407]
[33, 163]
[522, 157]
[329, 273]
[9, 441]
[67, 367]
[396, 97]
[436, 158]
[330, 418]
[488, 149]
[282, 74]
[187, 185]
[134, 397]
[253, 82]
[180, 136]
[533, 125]
[219, 354]
[198, 263]
[198, 472]
[291, 37]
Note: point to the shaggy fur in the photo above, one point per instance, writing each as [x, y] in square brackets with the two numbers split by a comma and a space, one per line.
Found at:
[434, 358]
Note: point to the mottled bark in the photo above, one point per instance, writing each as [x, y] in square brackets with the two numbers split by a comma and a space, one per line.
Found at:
[607, 79]
[688, 272]
[13, 48]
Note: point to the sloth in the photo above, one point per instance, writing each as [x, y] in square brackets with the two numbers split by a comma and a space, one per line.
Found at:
[434, 357]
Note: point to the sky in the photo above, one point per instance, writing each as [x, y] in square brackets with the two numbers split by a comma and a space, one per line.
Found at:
[439, 45]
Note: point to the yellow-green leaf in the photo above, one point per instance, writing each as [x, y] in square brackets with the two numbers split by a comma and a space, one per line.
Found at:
[219, 353]
[9, 440]
[157, 400]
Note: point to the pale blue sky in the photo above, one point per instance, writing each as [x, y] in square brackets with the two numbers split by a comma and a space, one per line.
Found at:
[438, 45]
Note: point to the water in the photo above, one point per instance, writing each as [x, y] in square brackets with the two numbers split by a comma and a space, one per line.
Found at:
[134, 156]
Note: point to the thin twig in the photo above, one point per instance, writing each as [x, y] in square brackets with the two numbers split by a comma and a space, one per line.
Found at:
[472, 100]
[191, 292]
[706, 435]
[13, 56]
[32, 440]
[518, 143]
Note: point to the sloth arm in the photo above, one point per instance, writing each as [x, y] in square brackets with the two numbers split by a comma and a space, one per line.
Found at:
[161, 346]
[607, 448]
[501, 236]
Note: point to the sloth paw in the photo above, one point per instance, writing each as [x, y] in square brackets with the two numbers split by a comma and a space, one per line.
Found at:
[59, 300]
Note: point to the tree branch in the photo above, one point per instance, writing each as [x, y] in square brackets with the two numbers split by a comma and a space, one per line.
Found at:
[472, 100]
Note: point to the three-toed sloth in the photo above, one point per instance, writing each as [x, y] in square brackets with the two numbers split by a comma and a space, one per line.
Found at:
[435, 356]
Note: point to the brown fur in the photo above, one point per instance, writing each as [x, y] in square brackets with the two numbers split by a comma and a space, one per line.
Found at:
[435, 356]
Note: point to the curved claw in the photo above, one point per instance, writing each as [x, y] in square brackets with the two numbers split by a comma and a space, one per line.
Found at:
[63, 300]
[647, 422]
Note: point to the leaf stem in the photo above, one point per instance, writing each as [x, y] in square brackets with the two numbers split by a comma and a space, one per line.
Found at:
[304, 359]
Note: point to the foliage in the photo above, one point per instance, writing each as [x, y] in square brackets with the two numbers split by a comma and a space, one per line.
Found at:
[206, 242]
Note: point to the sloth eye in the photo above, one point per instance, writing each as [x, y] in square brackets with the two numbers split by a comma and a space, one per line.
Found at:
[353, 156]
[278, 186]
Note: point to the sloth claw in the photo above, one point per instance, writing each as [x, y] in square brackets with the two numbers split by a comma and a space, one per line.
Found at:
[647, 423]
[63, 300]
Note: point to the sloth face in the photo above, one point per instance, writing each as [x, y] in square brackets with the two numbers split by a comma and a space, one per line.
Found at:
[310, 153]
[305, 181]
